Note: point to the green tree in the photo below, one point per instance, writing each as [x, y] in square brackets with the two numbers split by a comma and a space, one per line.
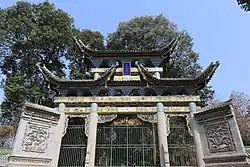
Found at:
[154, 32]
[31, 33]
[244, 4]
[15, 94]
[93, 39]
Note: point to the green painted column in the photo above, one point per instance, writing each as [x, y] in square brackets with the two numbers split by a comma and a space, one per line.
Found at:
[162, 136]
[196, 135]
[91, 145]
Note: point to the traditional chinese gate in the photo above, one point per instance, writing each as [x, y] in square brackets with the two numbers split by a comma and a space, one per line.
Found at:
[127, 141]
[74, 144]
[180, 143]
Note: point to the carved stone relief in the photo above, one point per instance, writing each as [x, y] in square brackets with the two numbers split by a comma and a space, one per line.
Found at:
[219, 137]
[152, 118]
[106, 118]
[101, 119]
[87, 125]
[167, 124]
[179, 115]
[35, 139]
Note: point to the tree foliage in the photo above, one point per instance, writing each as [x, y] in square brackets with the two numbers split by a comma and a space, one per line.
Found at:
[7, 133]
[241, 105]
[93, 39]
[155, 32]
[31, 33]
[15, 94]
[244, 4]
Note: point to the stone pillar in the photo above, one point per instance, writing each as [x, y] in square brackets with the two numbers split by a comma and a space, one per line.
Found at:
[91, 146]
[196, 135]
[157, 75]
[56, 137]
[162, 135]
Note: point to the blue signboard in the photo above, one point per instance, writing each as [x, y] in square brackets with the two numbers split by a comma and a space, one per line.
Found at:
[127, 68]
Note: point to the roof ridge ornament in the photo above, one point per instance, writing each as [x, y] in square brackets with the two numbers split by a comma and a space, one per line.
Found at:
[165, 51]
[199, 81]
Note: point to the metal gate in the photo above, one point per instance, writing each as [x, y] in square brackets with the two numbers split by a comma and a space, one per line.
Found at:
[74, 144]
[127, 141]
[180, 143]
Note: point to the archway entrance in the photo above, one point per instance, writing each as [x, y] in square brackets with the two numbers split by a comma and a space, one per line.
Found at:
[74, 144]
[127, 141]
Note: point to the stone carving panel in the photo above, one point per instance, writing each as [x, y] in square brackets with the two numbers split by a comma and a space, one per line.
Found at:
[167, 124]
[87, 125]
[101, 119]
[36, 138]
[106, 118]
[219, 137]
[168, 116]
[152, 118]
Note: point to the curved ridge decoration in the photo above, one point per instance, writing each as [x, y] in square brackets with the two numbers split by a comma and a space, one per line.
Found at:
[52, 78]
[199, 81]
[161, 52]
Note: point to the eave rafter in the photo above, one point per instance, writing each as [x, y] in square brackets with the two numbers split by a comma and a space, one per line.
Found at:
[57, 81]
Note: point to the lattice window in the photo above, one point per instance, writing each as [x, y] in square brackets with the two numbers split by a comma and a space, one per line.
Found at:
[74, 144]
[127, 141]
[180, 143]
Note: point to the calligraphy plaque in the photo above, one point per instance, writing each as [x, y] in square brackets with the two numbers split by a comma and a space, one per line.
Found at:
[126, 68]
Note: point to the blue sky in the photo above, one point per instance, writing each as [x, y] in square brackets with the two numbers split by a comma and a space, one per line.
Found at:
[220, 30]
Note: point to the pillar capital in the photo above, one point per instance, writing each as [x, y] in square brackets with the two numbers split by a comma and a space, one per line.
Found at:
[61, 107]
[96, 76]
[160, 107]
[157, 75]
[192, 107]
[93, 108]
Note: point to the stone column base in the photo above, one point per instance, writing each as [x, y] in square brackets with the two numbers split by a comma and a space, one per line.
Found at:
[239, 160]
[17, 161]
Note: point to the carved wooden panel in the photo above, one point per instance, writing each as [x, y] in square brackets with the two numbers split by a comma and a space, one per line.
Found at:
[219, 137]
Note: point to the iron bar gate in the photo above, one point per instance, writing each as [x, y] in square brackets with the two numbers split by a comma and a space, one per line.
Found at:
[180, 143]
[127, 141]
[74, 144]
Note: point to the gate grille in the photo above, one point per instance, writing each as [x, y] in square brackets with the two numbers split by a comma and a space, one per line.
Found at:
[73, 146]
[180, 144]
[127, 141]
